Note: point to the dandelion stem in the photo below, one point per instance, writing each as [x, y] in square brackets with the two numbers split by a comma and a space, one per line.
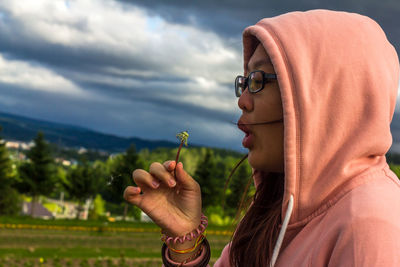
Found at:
[182, 136]
[177, 156]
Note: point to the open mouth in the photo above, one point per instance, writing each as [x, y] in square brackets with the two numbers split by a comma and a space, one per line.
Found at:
[242, 126]
[248, 138]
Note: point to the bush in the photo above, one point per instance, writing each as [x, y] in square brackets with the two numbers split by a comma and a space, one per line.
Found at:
[10, 202]
[216, 217]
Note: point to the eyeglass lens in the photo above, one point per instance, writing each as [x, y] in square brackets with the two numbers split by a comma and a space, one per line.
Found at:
[255, 81]
[240, 85]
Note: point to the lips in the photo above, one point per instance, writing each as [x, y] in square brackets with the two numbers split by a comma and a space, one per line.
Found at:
[248, 138]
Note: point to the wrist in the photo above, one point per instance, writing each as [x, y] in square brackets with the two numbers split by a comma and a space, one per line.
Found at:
[188, 236]
[188, 246]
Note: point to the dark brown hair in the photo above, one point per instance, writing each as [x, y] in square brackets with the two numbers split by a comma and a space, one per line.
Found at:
[255, 236]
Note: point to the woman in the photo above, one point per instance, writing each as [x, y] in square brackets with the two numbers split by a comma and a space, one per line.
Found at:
[317, 135]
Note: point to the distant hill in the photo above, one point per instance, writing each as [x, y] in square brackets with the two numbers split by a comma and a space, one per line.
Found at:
[25, 129]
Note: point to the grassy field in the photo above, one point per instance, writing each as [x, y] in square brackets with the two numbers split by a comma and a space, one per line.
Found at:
[30, 242]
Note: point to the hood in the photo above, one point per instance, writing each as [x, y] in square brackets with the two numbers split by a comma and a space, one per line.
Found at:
[338, 76]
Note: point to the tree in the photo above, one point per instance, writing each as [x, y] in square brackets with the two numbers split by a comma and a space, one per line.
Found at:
[207, 176]
[38, 173]
[82, 183]
[9, 199]
[121, 175]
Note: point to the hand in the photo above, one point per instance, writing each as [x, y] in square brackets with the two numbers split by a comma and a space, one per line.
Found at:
[173, 203]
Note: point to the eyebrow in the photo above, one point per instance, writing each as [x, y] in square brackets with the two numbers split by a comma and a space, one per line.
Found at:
[259, 63]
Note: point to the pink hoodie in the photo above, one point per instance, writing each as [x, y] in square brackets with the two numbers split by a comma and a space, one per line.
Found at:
[338, 77]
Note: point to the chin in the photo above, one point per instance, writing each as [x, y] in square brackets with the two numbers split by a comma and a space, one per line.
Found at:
[255, 161]
[261, 162]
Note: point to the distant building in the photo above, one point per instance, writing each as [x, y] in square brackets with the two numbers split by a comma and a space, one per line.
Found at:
[19, 145]
[82, 150]
[63, 161]
[39, 211]
[68, 209]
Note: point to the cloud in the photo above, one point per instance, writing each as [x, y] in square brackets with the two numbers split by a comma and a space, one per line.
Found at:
[135, 67]
[133, 40]
[139, 68]
[229, 19]
[133, 48]
[33, 77]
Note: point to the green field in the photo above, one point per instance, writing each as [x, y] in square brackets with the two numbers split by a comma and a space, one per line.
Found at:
[29, 242]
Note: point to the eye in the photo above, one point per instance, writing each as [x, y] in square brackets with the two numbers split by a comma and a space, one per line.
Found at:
[255, 83]
[256, 80]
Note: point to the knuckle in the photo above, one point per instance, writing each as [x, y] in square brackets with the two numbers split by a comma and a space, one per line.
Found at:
[126, 191]
[197, 186]
[126, 195]
[166, 163]
[155, 166]
[139, 175]
[136, 172]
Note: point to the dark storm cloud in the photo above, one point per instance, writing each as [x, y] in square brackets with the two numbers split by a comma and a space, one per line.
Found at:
[168, 65]
[229, 18]
[163, 98]
[145, 117]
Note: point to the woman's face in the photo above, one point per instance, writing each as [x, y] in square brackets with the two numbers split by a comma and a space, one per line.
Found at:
[264, 141]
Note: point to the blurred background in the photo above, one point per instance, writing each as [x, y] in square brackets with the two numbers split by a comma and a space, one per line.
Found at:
[92, 89]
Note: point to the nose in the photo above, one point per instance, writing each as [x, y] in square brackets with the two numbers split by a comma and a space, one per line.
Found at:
[245, 101]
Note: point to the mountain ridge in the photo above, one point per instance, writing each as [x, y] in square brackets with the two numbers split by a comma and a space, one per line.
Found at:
[22, 128]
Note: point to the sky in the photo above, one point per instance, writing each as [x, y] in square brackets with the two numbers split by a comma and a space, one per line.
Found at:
[145, 69]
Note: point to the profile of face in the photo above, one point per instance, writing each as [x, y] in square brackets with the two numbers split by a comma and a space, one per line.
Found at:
[264, 108]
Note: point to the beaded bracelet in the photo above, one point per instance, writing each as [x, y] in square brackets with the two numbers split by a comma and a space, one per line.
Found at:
[188, 250]
[189, 236]
[205, 258]
[194, 256]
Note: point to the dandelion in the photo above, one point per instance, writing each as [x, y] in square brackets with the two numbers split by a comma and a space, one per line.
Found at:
[183, 137]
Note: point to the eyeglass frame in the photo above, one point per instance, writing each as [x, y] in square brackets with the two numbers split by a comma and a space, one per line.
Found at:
[246, 79]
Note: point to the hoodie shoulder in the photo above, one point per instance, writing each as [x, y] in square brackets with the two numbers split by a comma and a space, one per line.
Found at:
[365, 228]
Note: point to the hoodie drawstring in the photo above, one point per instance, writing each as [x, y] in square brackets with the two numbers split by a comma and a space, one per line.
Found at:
[282, 232]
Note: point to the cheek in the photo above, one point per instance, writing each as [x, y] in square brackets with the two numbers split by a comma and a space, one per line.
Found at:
[267, 154]
[270, 144]
[269, 105]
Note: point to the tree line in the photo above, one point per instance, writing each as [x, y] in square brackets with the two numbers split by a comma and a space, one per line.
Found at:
[40, 175]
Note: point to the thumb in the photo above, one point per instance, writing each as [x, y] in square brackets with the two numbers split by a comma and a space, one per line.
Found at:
[132, 195]
[184, 178]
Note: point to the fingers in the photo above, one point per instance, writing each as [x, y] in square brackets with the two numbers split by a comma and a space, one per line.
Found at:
[145, 179]
[132, 195]
[162, 173]
[157, 174]
[169, 165]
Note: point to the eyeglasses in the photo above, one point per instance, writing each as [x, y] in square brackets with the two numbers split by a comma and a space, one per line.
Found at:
[255, 82]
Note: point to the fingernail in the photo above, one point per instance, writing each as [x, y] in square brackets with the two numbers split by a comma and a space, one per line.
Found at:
[171, 182]
[136, 190]
[155, 183]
